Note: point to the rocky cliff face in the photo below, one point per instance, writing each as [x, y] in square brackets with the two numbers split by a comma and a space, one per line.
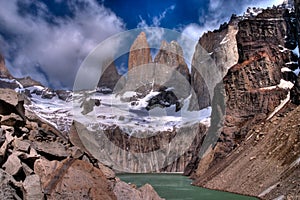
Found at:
[221, 44]
[254, 89]
[221, 47]
[164, 151]
[256, 85]
[139, 52]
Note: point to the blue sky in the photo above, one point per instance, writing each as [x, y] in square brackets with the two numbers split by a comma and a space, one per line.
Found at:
[48, 39]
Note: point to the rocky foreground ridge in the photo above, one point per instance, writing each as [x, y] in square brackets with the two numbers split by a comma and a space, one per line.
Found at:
[37, 161]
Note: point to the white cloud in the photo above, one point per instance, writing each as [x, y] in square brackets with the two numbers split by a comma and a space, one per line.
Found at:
[157, 19]
[57, 50]
[154, 36]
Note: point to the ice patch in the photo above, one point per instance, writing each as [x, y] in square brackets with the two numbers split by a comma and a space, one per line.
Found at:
[142, 103]
[170, 89]
[295, 163]
[253, 12]
[129, 94]
[281, 197]
[296, 51]
[281, 105]
[283, 49]
[113, 111]
[296, 71]
[291, 63]
[285, 69]
[268, 190]
[225, 40]
[285, 84]
[12, 81]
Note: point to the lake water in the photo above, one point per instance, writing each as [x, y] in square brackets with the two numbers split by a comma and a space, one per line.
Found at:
[178, 187]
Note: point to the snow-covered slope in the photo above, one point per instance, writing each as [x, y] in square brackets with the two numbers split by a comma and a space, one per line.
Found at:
[131, 116]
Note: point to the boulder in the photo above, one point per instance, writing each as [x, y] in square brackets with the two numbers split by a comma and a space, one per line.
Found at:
[13, 165]
[63, 94]
[55, 149]
[73, 179]
[12, 120]
[11, 102]
[8, 187]
[21, 145]
[32, 189]
[124, 191]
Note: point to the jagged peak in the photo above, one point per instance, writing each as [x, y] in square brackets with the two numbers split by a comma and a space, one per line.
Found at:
[172, 47]
[140, 42]
[139, 52]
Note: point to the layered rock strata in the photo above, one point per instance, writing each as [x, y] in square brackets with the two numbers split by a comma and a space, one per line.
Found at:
[252, 92]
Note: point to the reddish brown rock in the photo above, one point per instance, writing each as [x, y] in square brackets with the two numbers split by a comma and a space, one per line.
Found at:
[32, 188]
[8, 186]
[250, 91]
[72, 179]
[266, 164]
[11, 102]
[13, 165]
[295, 93]
[4, 73]
[139, 52]
[124, 192]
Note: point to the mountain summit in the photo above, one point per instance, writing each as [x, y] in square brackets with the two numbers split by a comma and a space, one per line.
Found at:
[139, 52]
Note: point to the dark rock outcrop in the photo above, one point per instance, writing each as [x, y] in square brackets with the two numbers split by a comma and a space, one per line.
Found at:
[171, 54]
[164, 99]
[109, 78]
